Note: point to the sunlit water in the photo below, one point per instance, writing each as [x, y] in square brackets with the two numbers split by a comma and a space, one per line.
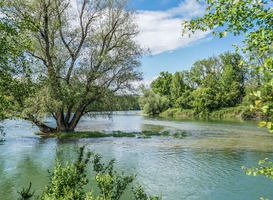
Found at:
[205, 166]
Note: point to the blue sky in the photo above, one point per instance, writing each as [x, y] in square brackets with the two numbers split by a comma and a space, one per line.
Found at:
[154, 4]
[160, 30]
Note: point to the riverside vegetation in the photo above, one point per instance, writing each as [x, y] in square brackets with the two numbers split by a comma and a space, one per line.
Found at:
[49, 68]
[216, 87]
[70, 181]
[253, 20]
[117, 134]
[65, 65]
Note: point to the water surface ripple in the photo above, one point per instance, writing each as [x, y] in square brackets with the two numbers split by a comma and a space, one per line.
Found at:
[205, 166]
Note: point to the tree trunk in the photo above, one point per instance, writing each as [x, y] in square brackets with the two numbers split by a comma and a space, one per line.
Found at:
[46, 129]
[43, 128]
[75, 120]
[63, 124]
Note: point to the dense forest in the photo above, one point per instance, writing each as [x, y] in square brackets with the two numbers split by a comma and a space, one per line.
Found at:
[219, 83]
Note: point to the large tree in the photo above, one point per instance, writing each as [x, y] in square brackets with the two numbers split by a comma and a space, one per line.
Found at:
[219, 82]
[162, 84]
[81, 53]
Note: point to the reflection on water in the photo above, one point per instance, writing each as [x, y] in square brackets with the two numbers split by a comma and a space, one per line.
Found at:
[205, 165]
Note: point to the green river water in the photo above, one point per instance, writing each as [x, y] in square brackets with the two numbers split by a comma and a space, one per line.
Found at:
[203, 166]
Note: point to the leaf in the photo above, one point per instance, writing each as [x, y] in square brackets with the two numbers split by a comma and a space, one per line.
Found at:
[242, 62]
[264, 109]
[263, 48]
[269, 125]
[262, 124]
[257, 94]
[257, 103]
[248, 172]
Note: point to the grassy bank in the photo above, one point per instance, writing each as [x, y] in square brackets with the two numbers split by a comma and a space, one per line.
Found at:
[239, 112]
[178, 113]
[97, 134]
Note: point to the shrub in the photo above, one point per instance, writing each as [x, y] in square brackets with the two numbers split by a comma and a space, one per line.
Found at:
[152, 103]
[68, 182]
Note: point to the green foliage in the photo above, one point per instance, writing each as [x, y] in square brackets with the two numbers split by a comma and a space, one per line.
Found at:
[178, 113]
[72, 70]
[162, 85]
[110, 182]
[221, 79]
[265, 168]
[152, 103]
[127, 102]
[211, 84]
[238, 112]
[185, 101]
[140, 194]
[13, 64]
[181, 135]
[77, 135]
[253, 20]
[204, 100]
[69, 182]
[96, 134]
[178, 86]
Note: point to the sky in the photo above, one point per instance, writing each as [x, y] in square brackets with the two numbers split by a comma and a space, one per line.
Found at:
[160, 29]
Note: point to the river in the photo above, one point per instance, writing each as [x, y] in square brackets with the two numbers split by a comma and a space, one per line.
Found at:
[204, 166]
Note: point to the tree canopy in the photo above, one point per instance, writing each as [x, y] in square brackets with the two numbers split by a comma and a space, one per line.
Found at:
[80, 55]
[253, 20]
[210, 84]
[13, 62]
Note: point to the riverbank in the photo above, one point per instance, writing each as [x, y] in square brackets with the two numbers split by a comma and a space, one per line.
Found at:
[239, 112]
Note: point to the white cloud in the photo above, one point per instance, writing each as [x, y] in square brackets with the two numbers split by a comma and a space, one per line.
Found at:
[146, 83]
[189, 9]
[161, 31]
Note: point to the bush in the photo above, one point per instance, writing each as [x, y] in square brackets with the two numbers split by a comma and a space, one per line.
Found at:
[152, 103]
[178, 113]
[69, 182]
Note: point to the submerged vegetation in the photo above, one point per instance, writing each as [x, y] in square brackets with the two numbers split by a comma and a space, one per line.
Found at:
[97, 134]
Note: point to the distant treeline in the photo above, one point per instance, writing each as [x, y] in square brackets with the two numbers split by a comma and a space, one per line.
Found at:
[210, 85]
[122, 102]
[127, 102]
